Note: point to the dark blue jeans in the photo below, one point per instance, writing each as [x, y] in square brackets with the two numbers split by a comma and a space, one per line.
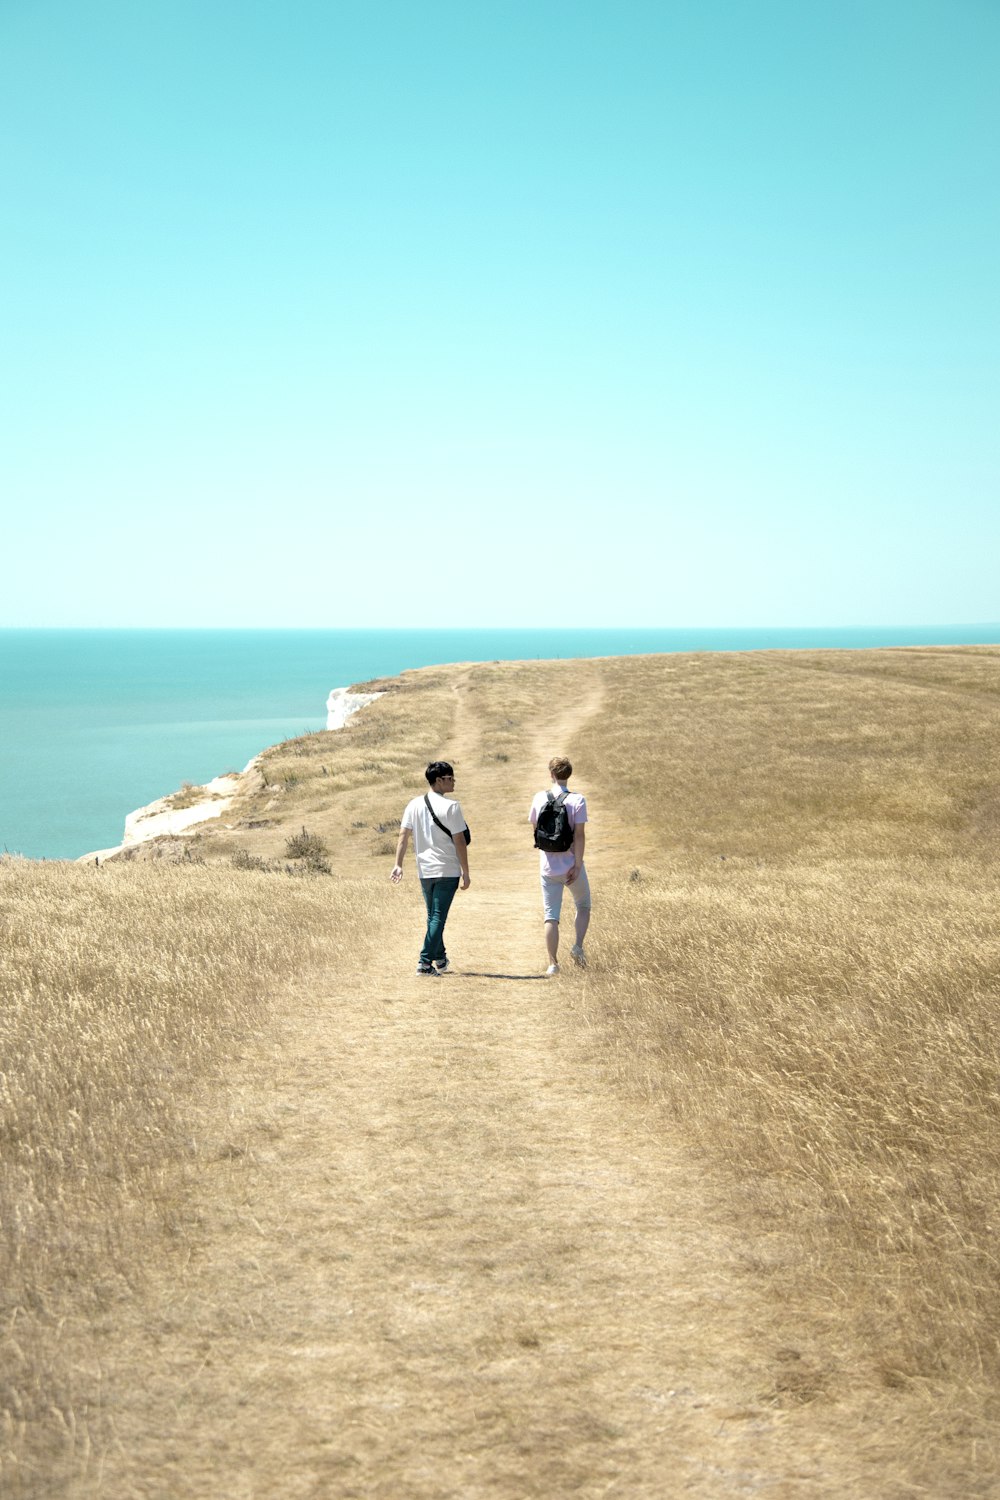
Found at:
[438, 894]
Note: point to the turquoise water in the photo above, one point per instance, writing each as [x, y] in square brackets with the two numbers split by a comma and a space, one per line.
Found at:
[94, 723]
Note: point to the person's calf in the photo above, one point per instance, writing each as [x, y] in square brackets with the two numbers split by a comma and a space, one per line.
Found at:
[552, 940]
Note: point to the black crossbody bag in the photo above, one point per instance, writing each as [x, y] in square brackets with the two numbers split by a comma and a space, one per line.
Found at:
[452, 836]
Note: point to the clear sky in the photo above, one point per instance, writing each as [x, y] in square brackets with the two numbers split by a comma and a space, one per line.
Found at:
[659, 312]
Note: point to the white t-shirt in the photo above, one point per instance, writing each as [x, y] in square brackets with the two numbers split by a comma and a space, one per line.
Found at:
[576, 809]
[435, 851]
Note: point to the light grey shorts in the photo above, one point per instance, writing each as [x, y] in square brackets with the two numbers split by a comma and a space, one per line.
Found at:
[552, 893]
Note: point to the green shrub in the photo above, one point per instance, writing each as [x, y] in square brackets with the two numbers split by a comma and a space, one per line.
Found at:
[306, 846]
[244, 860]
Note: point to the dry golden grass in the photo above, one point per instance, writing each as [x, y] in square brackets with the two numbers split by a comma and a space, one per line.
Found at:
[794, 974]
[128, 995]
[803, 968]
[187, 795]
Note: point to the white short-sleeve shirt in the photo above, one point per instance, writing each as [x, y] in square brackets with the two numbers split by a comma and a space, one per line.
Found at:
[576, 809]
[434, 850]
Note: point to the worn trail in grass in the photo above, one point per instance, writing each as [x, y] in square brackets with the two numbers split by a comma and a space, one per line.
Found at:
[450, 1264]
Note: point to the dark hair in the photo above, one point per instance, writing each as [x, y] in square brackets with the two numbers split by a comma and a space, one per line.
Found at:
[560, 768]
[437, 769]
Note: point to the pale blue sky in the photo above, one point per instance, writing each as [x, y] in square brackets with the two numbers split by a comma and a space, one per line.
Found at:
[331, 314]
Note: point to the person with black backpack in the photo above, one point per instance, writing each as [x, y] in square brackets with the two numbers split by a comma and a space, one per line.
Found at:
[558, 817]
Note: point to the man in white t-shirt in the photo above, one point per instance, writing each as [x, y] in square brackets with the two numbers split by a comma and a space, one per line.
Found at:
[560, 870]
[438, 830]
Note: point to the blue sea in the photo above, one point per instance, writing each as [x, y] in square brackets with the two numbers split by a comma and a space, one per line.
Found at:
[94, 723]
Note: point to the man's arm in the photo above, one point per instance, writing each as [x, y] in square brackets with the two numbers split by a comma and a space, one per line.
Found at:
[456, 815]
[461, 849]
[579, 842]
[452, 816]
[397, 869]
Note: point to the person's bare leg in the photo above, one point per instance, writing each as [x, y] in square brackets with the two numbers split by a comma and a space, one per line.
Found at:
[552, 940]
[582, 923]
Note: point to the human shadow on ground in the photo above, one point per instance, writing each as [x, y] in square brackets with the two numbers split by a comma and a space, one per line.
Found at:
[481, 974]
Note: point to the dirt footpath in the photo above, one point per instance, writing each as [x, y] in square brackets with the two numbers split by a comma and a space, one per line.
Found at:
[453, 1264]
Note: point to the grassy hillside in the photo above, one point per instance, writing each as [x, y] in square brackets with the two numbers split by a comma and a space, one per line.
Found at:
[794, 968]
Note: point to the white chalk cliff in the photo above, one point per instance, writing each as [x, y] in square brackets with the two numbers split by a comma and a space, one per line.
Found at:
[342, 703]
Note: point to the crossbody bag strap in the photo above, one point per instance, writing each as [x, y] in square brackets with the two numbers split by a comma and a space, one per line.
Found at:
[437, 819]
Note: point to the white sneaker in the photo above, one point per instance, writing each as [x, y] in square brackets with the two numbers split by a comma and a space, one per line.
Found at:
[552, 969]
[578, 956]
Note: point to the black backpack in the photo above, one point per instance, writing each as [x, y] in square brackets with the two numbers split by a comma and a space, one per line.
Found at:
[553, 829]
